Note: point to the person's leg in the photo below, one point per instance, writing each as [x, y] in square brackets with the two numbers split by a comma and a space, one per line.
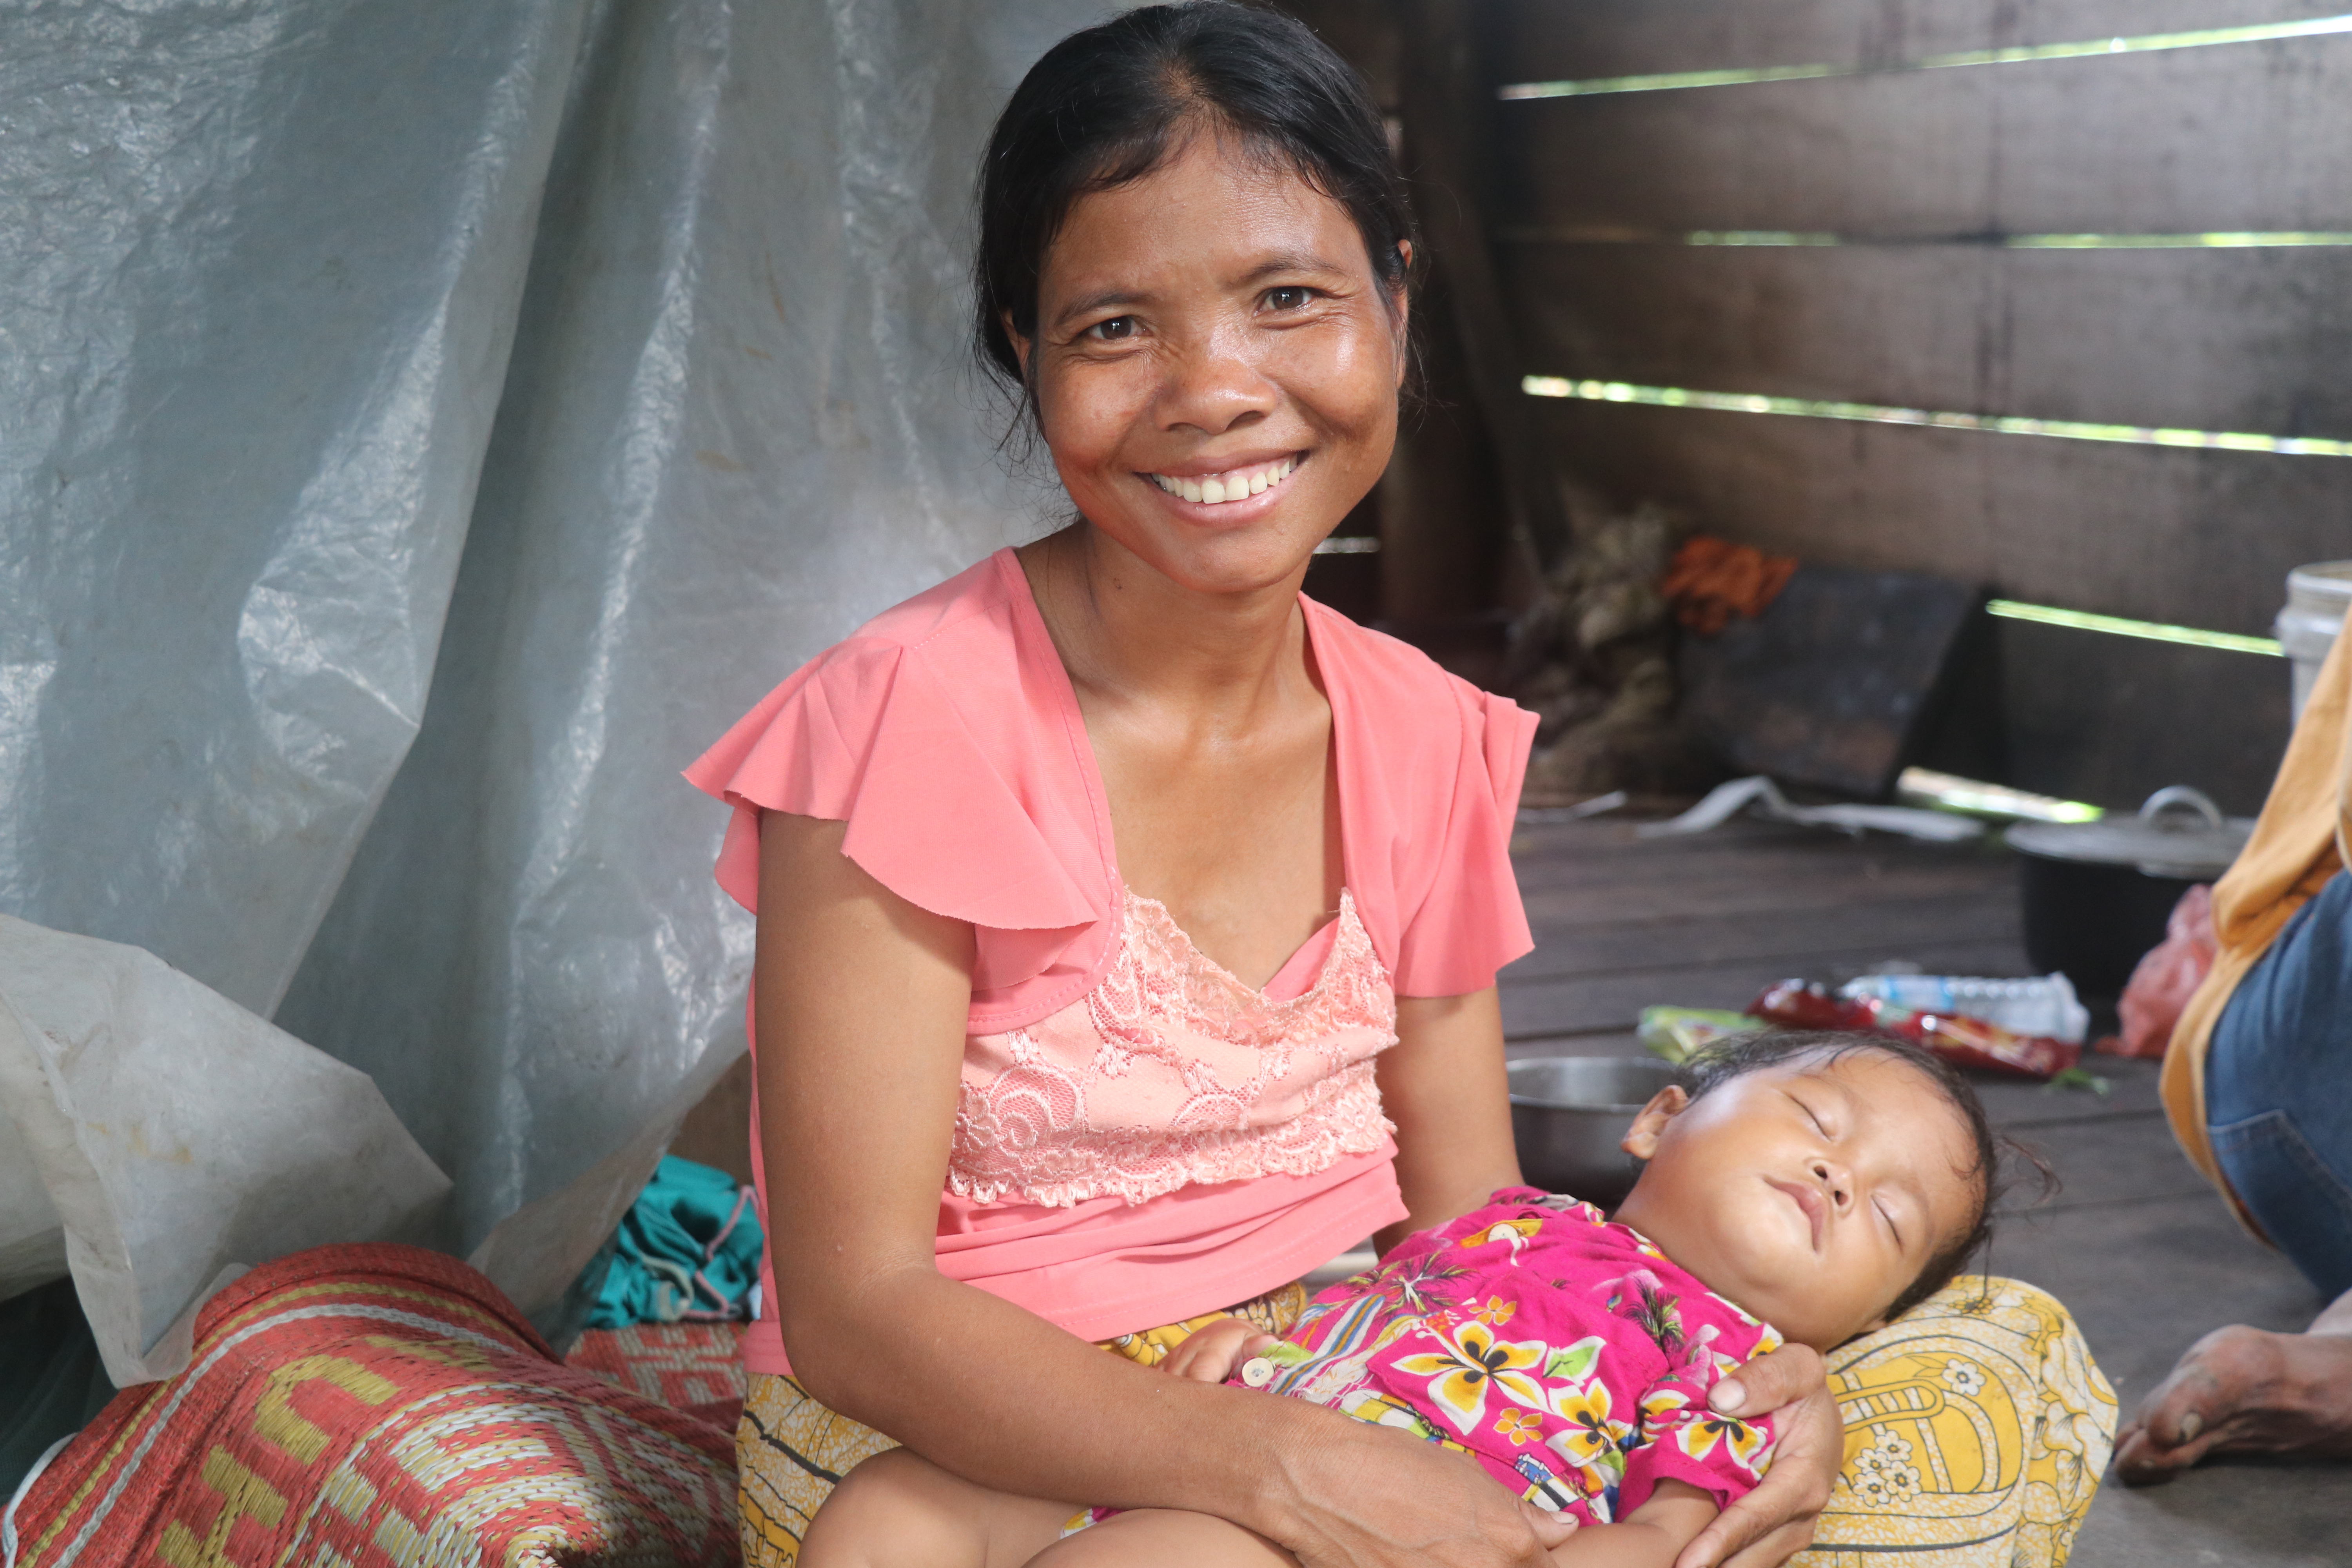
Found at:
[790, 1453]
[896, 1510]
[2278, 1089]
[2278, 1094]
[1158, 1537]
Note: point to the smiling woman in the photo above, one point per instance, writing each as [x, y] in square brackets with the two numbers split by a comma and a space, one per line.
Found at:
[1219, 315]
[1128, 922]
[1215, 394]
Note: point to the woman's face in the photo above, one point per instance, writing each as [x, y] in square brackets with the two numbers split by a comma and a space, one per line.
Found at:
[1214, 329]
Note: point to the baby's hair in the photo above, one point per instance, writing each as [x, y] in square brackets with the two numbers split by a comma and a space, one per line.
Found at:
[1736, 1058]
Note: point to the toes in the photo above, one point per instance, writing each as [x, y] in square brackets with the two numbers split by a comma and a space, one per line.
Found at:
[2139, 1462]
[2175, 1411]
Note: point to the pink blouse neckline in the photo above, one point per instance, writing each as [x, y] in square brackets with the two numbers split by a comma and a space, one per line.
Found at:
[1301, 975]
[1032, 623]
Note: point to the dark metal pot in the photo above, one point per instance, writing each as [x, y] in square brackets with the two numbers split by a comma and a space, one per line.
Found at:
[1568, 1114]
[2096, 894]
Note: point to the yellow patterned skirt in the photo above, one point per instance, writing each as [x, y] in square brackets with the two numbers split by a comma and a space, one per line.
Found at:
[1977, 1428]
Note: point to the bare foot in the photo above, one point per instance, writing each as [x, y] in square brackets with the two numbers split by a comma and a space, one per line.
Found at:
[2245, 1390]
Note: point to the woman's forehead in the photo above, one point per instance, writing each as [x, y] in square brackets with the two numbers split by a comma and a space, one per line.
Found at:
[1204, 200]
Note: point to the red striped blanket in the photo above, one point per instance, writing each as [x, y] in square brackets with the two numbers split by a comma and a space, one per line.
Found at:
[694, 1367]
[380, 1407]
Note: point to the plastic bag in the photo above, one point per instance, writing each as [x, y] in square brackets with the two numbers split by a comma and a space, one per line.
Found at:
[2166, 975]
[157, 1137]
[2045, 1005]
[1964, 1042]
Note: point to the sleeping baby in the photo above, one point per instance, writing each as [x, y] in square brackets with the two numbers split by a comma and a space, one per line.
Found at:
[1809, 1187]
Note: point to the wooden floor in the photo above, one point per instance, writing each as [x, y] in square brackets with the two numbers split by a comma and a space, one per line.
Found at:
[2134, 1243]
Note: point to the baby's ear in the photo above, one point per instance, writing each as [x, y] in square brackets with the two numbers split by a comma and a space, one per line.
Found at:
[1640, 1140]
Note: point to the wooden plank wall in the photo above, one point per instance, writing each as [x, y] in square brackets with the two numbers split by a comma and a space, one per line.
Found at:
[1920, 174]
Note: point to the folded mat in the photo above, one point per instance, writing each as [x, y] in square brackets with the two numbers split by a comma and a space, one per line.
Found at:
[379, 1406]
[694, 1367]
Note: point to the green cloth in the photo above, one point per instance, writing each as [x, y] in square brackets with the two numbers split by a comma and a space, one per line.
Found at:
[688, 1247]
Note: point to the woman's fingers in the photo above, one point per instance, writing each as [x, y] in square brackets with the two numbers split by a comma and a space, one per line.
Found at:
[1766, 1384]
[1378, 1497]
[1550, 1529]
[1771, 1549]
[1775, 1521]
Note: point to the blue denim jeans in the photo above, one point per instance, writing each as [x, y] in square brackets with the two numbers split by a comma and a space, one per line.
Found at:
[2278, 1089]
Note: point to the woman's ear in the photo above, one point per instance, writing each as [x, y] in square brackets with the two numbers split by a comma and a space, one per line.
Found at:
[1402, 314]
[1641, 1139]
[1020, 344]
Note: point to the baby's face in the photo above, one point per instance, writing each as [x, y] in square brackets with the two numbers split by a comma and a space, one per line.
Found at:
[1812, 1194]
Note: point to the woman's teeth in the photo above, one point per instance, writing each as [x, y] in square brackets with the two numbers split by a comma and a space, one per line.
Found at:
[1233, 486]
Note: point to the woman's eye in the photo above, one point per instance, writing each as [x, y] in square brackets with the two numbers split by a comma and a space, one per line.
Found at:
[1117, 330]
[1288, 299]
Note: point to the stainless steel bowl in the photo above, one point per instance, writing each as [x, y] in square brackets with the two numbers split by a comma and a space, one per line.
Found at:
[1568, 1114]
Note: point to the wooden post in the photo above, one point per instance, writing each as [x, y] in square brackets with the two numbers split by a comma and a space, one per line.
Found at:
[1445, 103]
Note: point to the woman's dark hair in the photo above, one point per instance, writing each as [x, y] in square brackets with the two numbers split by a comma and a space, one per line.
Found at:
[1108, 106]
[1738, 1057]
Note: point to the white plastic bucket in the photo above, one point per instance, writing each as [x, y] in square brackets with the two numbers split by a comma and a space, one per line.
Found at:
[2317, 596]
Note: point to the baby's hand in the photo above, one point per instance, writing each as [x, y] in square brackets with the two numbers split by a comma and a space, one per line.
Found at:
[1217, 1352]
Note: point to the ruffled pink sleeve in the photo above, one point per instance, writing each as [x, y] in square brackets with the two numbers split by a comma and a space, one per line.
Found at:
[863, 735]
[963, 796]
[1471, 921]
[1430, 773]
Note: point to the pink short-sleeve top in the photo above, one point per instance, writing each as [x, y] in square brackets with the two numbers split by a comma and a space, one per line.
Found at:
[1141, 1137]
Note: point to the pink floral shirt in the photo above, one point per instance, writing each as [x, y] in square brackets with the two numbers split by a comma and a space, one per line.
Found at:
[1564, 1352]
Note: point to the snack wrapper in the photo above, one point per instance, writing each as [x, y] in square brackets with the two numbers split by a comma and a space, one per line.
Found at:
[1963, 1041]
[1678, 1034]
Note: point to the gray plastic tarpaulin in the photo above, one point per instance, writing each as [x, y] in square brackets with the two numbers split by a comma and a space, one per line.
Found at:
[429, 423]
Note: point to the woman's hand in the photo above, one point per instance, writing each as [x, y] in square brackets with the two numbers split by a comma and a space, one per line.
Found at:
[1369, 1497]
[1775, 1521]
[1453, 1513]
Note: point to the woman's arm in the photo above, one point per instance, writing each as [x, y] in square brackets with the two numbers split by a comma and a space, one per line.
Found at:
[861, 1001]
[1443, 1084]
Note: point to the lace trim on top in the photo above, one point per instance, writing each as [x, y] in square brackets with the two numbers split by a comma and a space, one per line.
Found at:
[1172, 1072]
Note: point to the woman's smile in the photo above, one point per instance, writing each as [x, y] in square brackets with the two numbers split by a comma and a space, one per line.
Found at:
[1222, 489]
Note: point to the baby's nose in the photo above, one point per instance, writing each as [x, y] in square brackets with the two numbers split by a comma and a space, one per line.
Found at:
[1840, 1186]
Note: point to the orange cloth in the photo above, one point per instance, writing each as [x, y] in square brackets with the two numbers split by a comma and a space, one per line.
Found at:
[1712, 580]
[2297, 844]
